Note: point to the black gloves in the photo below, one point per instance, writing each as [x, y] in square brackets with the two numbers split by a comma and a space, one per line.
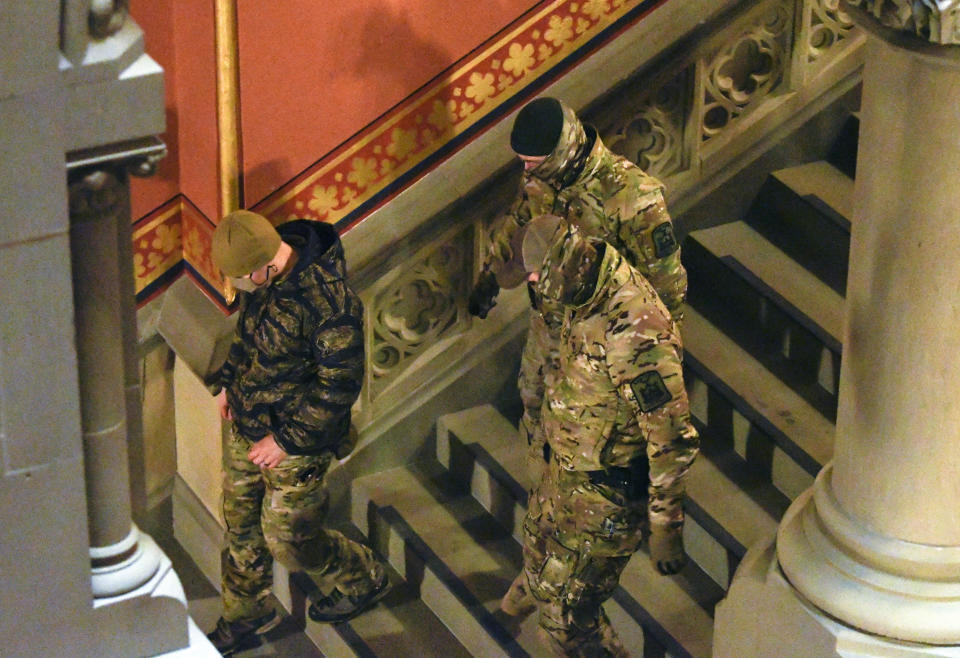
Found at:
[666, 549]
[483, 296]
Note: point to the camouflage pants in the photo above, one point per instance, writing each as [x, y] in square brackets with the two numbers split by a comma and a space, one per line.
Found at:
[279, 512]
[538, 361]
[578, 537]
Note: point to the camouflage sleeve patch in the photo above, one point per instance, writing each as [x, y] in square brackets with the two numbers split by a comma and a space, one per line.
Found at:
[664, 241]
[650, 390]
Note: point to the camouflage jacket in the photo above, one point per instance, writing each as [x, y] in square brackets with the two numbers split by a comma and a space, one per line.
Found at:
[295, 366]
[619, 387]
[607, 197]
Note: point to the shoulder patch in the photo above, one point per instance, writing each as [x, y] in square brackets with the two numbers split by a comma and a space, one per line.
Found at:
[650, 391]
[664, 241]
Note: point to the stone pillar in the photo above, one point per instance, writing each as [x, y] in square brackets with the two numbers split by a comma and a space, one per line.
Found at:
[875, 543]
[99, 199]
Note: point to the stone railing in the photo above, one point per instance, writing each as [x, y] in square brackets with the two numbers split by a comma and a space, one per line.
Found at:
[936, 21]
[708, 106]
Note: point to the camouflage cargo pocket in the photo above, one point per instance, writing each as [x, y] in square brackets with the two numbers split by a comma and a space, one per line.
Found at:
[556, 572]
[618, 532]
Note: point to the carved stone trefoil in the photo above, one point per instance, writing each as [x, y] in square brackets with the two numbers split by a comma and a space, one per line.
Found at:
[746, 68]
[937, 21]
[653, 136]
[829, 24]
[417, 310]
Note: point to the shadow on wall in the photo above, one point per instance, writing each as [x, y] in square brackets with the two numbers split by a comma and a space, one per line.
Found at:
[276, 170]
[388, 55]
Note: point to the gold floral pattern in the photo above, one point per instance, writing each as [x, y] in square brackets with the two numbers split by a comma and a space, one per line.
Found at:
[337, 188]
[323, 199]
[560, 31]
[520, 60]
[481, 87]
[595, 9]
[157, 245]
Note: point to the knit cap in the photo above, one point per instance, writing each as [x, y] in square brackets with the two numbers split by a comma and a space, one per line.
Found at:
[537, 127]
[243, 242]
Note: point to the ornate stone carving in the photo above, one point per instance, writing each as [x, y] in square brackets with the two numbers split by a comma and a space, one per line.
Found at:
[749, 67]
[937, 21]
[95, 193]
[653, 136]
[107, 17]
[418, 309]
[828, 26]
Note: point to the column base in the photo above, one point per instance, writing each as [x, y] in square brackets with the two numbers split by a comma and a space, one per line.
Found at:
[124, 566]
[882, 585]
[153, 615]
[763, 615]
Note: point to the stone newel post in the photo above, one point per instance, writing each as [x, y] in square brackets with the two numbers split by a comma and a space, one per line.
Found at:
[121, 560]
[875, 543]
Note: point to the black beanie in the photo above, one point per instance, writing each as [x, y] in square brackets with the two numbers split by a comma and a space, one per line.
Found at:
[537, 127]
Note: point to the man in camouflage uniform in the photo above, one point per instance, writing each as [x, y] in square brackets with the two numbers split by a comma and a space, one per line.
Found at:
[294, 369]
[570, 173]
[616, 401]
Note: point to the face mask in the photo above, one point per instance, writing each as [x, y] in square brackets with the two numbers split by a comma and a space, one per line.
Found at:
[247, 284]
[243, 283]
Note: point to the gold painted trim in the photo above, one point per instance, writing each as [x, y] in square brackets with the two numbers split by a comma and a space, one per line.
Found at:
[228, 104]
[228, 112]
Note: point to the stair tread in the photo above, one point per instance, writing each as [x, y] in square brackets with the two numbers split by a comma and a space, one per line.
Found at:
[728, 504]
[803, 425]
[478, 551]
[663, 598]
[714, 492]
[441, 524]
[402, 625]
[823, 180]
[811, 296]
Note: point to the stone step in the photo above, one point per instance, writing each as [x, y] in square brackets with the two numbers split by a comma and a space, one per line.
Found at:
[790, 211]
[401, 624]
[729, 506]
[746, 408]
[823, 180]
[460, 560]
[843, 153]
[481, 447]
[788, 318]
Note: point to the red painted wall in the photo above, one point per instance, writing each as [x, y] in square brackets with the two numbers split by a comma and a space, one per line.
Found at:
[156, 19]
[313, 74]
[180, 37]
[197, 103]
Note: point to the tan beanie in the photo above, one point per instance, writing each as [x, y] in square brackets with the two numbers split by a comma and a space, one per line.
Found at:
[243, 242]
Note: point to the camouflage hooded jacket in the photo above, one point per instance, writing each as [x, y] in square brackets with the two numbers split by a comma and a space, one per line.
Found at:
[607, 197]
[619, 390]
[295, 366]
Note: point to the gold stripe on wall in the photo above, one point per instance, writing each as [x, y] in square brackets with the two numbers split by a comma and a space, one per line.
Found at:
[228, 104]
[228, 112]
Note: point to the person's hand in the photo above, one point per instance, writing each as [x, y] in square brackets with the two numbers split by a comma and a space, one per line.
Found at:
[484, 294]
[224, 406]
[666, 549]
[266, 453]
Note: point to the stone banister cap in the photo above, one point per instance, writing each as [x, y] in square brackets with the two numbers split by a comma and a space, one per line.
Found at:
[934, 21]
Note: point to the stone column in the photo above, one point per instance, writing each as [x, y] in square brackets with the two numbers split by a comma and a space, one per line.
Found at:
[875, 543]
[121, 561]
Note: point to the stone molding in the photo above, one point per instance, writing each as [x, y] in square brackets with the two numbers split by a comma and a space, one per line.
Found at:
[936, 21]
[881, 585]
[691, 119]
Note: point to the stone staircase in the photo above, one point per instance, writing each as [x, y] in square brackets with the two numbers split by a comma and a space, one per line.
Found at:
[763, 340]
